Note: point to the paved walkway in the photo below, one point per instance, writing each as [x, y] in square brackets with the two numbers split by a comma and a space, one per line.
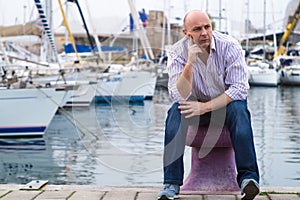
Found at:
[80, 192]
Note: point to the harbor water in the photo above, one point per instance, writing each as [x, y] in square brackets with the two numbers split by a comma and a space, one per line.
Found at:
[122, 144]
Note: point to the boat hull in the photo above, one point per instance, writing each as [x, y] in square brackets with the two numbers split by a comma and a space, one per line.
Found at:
[290, 77]
[126, 86]
[264, 78]
[28, 112]
[262, 74]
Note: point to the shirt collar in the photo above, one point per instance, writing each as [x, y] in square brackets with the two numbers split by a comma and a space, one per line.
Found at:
[213, 44]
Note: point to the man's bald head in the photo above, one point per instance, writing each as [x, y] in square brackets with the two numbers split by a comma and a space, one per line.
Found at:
[194, 15]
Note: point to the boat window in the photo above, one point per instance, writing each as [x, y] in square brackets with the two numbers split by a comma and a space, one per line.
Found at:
[289, 61]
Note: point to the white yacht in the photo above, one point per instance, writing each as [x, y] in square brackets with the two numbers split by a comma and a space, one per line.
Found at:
[28, 112]
[262, 74]
[289, 69]
[126, 85]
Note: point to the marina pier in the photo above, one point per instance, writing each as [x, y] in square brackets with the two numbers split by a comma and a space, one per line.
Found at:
[82, 192]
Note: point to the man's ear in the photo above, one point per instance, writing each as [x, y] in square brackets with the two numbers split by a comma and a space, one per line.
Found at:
[184, 31]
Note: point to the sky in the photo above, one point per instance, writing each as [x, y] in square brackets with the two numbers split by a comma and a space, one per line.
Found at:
[111, 16]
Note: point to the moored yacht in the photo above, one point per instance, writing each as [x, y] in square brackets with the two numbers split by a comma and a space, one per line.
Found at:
[262, 74]
[289, 69]
[28, 112]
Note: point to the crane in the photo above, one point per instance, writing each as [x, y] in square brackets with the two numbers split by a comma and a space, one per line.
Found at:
[292, 22]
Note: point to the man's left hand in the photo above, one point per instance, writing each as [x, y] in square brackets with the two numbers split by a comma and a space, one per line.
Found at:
[191, 108]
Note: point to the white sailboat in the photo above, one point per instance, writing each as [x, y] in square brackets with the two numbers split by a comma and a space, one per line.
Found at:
[262, 74]
[130, 85]
[28, 112]
[134, 82]
[289, 69]
[288, 65]
[80, 87]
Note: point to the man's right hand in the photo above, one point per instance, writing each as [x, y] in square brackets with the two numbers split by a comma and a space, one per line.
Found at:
[195, 51]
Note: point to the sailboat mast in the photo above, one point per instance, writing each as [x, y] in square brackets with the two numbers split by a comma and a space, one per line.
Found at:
[47, 28]
[164, 28]
[68, 29]
[85, 27]
[247, 26]
[142, 36]
[264, 37]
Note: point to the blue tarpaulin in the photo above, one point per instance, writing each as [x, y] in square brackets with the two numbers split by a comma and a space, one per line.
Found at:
[85, 48]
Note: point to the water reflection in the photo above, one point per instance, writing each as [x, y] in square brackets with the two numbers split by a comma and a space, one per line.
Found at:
[17, 160]
[275, 117]
[128, 143]
[22, 144]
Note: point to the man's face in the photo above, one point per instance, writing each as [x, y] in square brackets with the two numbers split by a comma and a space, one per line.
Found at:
[200, 30]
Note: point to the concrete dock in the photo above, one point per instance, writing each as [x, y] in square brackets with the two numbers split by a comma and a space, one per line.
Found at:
[86, 192]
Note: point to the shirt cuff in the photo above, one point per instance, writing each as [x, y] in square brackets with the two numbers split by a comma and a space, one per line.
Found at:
[236, 94]
[176, 96]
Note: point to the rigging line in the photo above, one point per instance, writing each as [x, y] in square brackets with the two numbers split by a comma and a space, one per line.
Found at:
[68, 29]
[68, 115]
[106, 99]
[95, 35]
[273, 27]
[76, 122]
[86, 29]
[31, 14]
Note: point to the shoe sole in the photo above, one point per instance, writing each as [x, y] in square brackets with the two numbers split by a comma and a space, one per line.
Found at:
[164, 197]
[250, 191]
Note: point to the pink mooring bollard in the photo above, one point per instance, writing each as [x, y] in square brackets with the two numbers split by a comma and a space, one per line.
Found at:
[213, 169]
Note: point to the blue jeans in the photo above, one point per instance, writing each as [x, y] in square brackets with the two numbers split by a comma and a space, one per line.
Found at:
[235, 116]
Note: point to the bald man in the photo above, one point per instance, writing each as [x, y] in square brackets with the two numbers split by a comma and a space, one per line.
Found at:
[208, 84]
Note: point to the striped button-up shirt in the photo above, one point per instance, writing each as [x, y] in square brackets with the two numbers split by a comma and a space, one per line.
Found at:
[225, 70]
